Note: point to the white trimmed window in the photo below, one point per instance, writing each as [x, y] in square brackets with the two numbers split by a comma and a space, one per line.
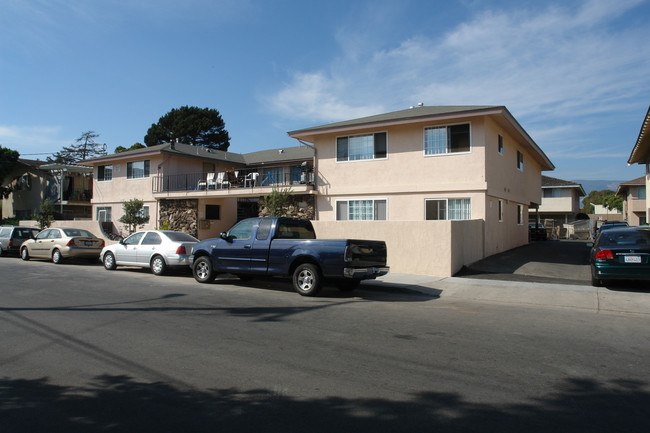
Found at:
[439, 140]
[104, 172]
[448, 209]
[360, 147]
[520, 161]
[361, 210]
[500, 145]
[103, 213]
[144, 212]
[137, 169]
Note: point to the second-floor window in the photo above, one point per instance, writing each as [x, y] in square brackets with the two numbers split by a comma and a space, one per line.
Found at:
[137, 169]
[359, 147]
[439, 140]
[104, 172]
[500, 145]
[520, 161]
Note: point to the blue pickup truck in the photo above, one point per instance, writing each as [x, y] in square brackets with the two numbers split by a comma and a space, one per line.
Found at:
[288, 247]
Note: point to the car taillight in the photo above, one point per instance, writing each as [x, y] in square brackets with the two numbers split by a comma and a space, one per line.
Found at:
[11, 242]
[181, 250]
[70, 243]
[605, 255]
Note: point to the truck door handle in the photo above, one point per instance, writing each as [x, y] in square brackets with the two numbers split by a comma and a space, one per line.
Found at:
[247, 246]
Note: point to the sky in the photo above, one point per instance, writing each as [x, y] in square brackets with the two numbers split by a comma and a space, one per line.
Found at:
[575, 74]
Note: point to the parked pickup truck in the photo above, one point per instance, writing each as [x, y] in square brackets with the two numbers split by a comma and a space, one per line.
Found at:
[288, 247]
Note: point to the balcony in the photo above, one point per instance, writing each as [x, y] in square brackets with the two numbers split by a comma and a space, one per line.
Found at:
[235, 182]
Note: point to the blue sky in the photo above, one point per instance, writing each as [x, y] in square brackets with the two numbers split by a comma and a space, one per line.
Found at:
[575, 74]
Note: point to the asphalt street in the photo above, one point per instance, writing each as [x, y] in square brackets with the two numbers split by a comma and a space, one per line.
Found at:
[84, 349]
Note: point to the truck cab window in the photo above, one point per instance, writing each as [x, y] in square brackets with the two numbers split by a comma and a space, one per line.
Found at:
[263, 230]
[243, 230]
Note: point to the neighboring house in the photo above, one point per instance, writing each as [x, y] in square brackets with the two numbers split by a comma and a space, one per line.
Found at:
[634, 201]
[641, 155]
[197, 190]
[443, 186]
[560, 201]
[69, 187]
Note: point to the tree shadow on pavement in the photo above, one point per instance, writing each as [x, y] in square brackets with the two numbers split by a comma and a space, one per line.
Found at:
[122, 404]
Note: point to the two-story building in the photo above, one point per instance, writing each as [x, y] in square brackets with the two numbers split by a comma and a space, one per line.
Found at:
[560, 201]
[634, 201]
[68, 187]
[197, 190]
[641, 155]
[443, 186]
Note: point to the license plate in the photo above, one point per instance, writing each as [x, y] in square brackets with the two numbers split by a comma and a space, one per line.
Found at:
[632, 259]
[88, 243]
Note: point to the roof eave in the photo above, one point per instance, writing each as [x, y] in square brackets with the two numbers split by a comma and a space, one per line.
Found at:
[641, 151]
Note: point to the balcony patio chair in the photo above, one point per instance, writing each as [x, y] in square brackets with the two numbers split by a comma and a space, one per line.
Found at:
[222, 181]
[251, 178]
[211, 183]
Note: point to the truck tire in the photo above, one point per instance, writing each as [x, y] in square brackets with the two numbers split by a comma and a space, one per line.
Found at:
[202, 270]
[307, 280]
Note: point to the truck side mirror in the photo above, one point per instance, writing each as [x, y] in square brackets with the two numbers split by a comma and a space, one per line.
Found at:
[225, 237]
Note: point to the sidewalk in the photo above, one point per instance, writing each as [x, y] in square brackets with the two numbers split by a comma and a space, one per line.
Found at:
[584, 297]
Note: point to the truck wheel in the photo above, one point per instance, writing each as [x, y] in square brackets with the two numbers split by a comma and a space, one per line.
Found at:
[202, 270]
[307, 280]
[347, 285]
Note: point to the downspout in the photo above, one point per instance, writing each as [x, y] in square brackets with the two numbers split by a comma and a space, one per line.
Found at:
[315, 163]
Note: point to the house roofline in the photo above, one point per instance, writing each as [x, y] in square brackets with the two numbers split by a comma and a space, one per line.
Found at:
[641, 152]
[411, 116]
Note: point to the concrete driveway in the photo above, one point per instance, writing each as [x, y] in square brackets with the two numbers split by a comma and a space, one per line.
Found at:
[558, 262]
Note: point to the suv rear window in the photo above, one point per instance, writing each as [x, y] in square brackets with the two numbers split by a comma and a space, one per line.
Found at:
[24, 233]
[4, 232]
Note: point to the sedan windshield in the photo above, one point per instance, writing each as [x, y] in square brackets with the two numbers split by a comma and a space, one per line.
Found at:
[625, 238]
[78, 232]
[180, 237]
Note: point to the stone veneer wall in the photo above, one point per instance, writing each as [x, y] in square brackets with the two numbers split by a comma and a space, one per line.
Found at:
[301, 206]
[181, 215]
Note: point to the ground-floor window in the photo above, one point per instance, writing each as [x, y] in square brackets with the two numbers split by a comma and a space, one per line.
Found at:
[448, 209]
[212, 212]
[144, 212]
[103, 213]
[361, 210]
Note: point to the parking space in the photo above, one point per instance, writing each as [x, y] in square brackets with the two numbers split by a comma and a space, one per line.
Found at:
[557, 262]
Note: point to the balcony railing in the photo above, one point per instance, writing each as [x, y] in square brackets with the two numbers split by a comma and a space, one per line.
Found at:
[229, 179]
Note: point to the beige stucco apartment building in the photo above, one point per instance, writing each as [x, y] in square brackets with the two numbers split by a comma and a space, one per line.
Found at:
[443, 186]
[194, 189]
[634, 201]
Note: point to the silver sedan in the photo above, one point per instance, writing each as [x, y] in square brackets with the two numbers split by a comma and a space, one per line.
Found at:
[155, 249]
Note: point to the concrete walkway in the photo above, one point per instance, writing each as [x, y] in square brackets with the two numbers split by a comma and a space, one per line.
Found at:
[630, 298]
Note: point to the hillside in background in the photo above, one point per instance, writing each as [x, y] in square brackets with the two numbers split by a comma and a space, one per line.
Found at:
[598, 185]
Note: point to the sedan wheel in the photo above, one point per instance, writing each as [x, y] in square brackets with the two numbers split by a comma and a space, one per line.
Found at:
[158, 265]
[57, 258]
[109, 261]
[24, 254]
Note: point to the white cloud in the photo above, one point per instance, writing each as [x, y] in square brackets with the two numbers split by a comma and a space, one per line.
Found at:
[548, 64]
[32, 139]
